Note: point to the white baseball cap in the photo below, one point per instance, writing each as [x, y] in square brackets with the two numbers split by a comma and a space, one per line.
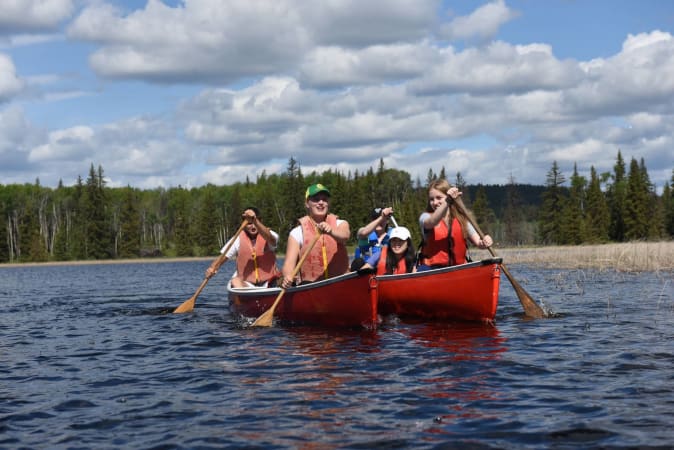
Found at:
[400, 233]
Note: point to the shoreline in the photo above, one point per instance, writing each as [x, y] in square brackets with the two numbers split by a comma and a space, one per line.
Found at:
[628, 257]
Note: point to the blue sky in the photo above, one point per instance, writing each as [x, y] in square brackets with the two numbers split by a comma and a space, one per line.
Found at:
[167, 93]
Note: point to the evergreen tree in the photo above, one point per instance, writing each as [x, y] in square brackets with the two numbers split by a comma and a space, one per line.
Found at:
[129, 239]
[668, 205]
[554, 199]
[181, 211]
[637, 207]
[598, 218]
[656, 212]
[616, 200]
[98, 242]
[573, 231]
[207, 223]
[291, 201]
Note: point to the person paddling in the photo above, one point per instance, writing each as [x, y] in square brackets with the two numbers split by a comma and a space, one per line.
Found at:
[255, 254]
[396, 257]
[329, 257]
[446, 232]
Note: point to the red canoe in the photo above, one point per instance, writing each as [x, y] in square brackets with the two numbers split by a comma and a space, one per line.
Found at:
[349, 300]
[463, 292]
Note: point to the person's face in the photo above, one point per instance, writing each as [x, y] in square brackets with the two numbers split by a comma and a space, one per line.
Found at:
[318, 204]
[251, 230]
[436, 198]
[398, 246]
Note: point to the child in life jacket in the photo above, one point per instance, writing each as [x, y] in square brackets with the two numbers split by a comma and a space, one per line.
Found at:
[396, 257]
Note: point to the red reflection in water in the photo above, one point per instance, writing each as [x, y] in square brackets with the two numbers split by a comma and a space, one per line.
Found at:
[461, 343]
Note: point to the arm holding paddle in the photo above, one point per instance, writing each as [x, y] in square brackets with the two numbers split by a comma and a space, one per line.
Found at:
[266, 319]
[531, 308]
[188, 305]
[476, 237]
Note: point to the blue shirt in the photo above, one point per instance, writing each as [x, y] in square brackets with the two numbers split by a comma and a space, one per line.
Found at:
[371, 245]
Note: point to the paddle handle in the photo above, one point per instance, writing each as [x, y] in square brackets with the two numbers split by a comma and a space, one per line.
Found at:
[265, 320]
[188, 305]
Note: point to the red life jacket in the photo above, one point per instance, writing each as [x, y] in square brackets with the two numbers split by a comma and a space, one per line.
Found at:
[328, 258]
[257, 263]
[436, 247]
[401, 267]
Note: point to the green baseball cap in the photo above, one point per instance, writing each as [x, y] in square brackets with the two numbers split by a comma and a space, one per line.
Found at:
[315, 189]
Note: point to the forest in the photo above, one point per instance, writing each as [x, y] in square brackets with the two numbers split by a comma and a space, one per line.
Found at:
[91, 221]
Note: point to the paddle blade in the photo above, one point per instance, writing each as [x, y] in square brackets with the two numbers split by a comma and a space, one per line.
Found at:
[186, 306]
[265, 320]
[531, 308]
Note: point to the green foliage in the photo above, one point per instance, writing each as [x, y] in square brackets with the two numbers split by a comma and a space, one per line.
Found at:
[637, 204]
[554, 202]
[92, 221]
[597, 219]
[668, 206]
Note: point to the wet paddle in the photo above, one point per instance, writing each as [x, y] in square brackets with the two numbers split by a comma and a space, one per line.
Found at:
[188, 305]
[531, 308]
[265, 320]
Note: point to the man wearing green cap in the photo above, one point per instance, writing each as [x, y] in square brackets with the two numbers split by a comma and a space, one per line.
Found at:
[329, 257]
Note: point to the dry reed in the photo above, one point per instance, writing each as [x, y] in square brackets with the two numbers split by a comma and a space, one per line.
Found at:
[628, 257]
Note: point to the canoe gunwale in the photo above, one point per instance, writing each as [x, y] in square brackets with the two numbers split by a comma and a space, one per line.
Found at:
[442, 270]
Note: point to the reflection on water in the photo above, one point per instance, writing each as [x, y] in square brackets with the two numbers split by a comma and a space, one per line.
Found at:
[90, 356]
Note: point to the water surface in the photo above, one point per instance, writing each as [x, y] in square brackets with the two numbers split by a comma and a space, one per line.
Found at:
[90, 357]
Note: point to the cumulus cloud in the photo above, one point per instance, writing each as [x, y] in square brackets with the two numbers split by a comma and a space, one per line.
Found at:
[339, 85]
[25, 16]
[10, 83]
[482, 24]
[221, 42]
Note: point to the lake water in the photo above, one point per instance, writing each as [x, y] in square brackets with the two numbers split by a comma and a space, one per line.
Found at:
[90, 357]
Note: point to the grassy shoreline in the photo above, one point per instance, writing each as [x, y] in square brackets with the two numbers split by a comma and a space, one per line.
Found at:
[628, 257]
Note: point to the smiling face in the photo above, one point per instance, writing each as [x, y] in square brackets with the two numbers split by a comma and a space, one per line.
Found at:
[318, 205]
[398, 246]
[436, 198]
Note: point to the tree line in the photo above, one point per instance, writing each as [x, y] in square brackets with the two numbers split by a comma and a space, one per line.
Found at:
[91, 221]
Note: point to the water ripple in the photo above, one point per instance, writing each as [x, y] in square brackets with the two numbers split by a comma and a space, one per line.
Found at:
[91, 357]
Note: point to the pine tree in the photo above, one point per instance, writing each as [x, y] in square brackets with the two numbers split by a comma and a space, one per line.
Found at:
[129, 245]
[668, 205]
[550, 216]
[291, 201]
[573, 231]
[207, 223]
[597, 219]
[637, 208]
[616, 200]
[98, 240]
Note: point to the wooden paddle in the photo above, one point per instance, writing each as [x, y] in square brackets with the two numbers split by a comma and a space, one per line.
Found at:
[265, 320]
[531, 308]
[188, 305]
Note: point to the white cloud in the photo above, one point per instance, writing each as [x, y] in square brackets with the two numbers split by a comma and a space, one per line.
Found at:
[33, 15]
[336, 84]
[10, 83]
[481, 24]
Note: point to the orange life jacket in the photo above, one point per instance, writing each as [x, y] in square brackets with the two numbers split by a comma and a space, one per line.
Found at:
[401, 267]
[255, 263]
[436, 246]
[328, 258]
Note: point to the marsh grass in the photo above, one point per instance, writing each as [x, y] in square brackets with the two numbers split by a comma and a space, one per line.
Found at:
[624, 257]
[628, 257]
